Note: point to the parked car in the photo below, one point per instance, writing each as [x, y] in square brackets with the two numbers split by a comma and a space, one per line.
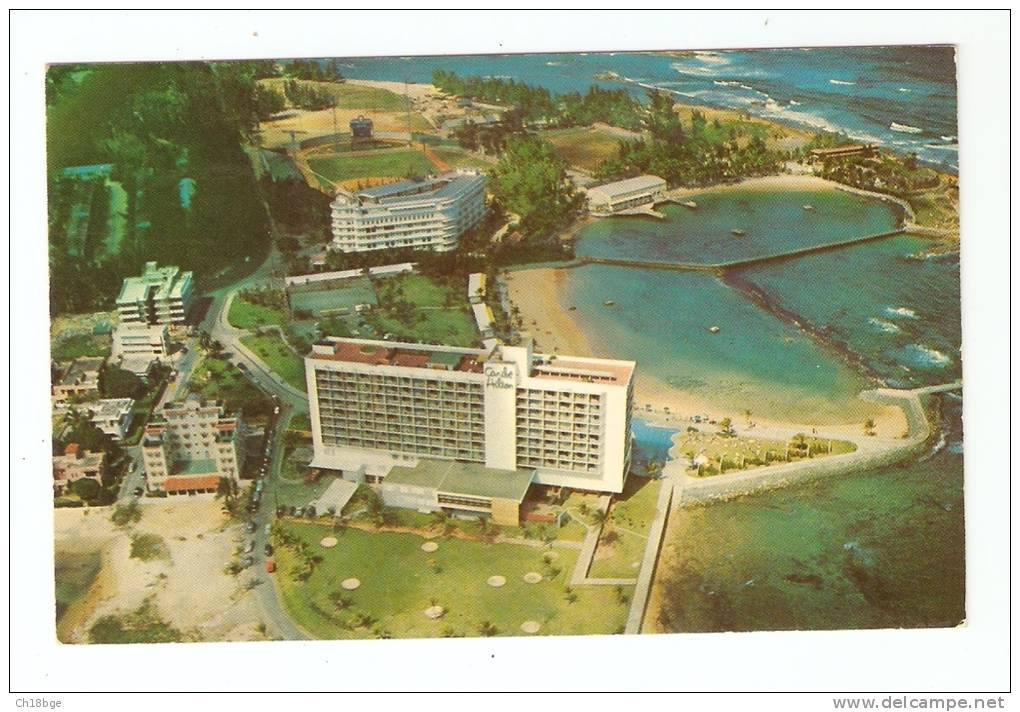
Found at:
[270, 566]
[269, 528]
[268, 549]
[242, 367]
[251, 527]
[139, 491]
[248, 561]
[250, 548]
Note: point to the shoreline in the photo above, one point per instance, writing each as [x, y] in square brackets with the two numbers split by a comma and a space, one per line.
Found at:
[540, 294]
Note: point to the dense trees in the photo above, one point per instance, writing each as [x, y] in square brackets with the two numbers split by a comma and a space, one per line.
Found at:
[530, 180]
[530, 103]
[308, 96]
[157, 124]
[115, 382]
[699, 154]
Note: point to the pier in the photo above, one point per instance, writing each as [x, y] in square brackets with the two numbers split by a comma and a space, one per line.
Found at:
[720, 267]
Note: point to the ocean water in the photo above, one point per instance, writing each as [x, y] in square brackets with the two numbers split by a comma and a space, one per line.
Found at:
[773, 222]
[883, 549]
[898, 311]
[901, 97]
[756, 361]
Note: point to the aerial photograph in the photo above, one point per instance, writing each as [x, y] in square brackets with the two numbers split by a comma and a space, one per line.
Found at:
[518, 345]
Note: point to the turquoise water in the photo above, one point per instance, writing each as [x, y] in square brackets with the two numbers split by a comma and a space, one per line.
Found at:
[651, 442]
[774, 223]
[898, 312]
[756, 361]
[880, 549]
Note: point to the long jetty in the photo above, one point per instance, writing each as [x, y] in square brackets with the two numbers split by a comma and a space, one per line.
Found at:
[719, 267]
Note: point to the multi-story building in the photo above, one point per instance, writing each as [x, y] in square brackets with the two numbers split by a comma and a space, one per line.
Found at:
[427, 213]
[79, 379]
[511, 417]
[625, 194]
[139, 345]
[76, 464]
[161, 295]
[189, 446]
[111, 415]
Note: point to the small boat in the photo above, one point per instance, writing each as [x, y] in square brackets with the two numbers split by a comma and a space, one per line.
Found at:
[738, 232]
[572, 308]
[714, 329]
[608, 303]
[690, 204]
[809, 207]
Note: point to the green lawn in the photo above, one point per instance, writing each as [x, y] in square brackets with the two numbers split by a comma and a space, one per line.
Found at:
[435, 323]
[245, 315]
[399, 581]
[392, 164]
[279, 357]
[459, 158]
[439, 326]
[79, 345]
[626, 533]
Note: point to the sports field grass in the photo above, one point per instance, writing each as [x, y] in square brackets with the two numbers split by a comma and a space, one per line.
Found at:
[389, 164]
[279, 357]
[582, 147]
[399, 581]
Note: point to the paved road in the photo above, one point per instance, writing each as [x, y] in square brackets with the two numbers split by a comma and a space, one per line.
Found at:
[268, 598]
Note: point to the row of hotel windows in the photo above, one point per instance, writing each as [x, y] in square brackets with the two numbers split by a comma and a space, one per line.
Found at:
[348, 378]
[418, 448]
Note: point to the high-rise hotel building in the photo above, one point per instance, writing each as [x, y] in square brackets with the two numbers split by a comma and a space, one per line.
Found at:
[502, 419]
[423, 213]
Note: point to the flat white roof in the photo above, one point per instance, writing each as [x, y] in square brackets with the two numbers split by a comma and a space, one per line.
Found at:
[380, 271]
[629, 185]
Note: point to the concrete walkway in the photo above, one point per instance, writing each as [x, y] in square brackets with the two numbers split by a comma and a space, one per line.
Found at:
[655, 534]
[591, 541]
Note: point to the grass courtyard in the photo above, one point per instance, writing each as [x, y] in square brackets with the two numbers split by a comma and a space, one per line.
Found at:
[399, 581]
[278, 356]
[441, 312]
[625, 533]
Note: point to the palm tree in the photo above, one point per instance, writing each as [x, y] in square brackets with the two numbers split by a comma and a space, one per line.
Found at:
[486, 629]
[599, 516]
[342, 602]
[869, 427]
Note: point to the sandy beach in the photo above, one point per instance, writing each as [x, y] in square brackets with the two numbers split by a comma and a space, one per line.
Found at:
[540, 295]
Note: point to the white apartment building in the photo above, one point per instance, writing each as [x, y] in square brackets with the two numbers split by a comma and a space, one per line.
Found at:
[625, 194]
[378, 407]
[189, 446]
[111, 415]
[161, 295]
[427, 213]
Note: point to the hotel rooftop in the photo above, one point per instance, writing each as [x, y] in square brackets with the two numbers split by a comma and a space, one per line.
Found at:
[383, 353]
